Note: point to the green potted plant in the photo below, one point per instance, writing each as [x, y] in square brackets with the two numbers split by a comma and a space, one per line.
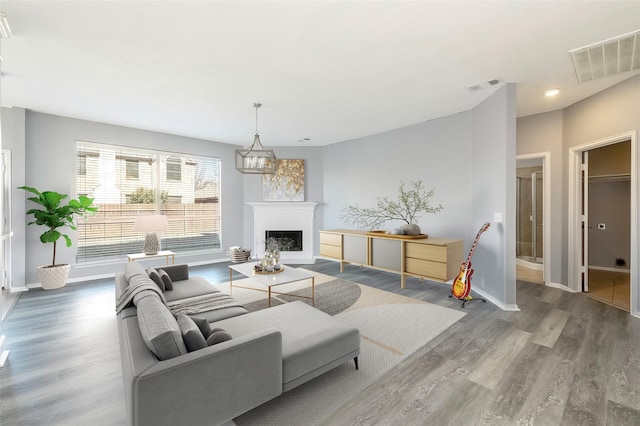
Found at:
[55, 215]
[411, 202]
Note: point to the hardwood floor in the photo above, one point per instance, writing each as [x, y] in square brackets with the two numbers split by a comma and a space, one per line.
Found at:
[565, 359]
[529, 275]
[610, 287]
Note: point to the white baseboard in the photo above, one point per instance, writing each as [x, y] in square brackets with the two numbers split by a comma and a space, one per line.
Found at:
[561, 287]
[605, 268]
[499, 304]
[530, 265]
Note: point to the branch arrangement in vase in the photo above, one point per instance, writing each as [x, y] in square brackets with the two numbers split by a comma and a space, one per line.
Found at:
[411, 201]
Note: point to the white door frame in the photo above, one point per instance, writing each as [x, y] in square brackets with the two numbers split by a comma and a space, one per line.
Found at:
[575, 216]
[5, 220]
[546, 210]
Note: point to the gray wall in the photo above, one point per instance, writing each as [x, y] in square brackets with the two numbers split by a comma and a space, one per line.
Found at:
[609, 203]
[469, 158]
[493, 176]
[603, 115]
[50, 165]
[313, 188]
[543, 133]
[438, 152]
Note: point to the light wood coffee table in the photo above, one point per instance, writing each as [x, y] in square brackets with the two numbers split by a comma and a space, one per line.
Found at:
[285, 276]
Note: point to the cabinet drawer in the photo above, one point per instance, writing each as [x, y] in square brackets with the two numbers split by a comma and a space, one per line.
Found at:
[426, 252]
[426, 268]
[331, 239]
[331, 251]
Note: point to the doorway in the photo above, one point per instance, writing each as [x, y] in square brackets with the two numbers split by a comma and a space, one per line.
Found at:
[532, 212]
[607, 223]
[598, 235]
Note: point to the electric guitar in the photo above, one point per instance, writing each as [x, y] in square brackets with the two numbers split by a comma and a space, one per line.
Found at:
[462, 284]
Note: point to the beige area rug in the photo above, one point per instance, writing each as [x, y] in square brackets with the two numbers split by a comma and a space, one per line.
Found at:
[392, 327]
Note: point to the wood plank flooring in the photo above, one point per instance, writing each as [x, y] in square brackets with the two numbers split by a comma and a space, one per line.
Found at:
[565, 359]
[610, 287]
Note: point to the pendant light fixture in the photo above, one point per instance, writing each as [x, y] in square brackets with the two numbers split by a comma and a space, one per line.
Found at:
[255, 159]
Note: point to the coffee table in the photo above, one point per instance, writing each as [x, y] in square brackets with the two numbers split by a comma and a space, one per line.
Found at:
[285, 276]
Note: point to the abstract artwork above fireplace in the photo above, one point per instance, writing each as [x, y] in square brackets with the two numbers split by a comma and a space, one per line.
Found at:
[287, 184]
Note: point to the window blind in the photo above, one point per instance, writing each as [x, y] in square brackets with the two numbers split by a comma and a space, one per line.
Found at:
[127, 182]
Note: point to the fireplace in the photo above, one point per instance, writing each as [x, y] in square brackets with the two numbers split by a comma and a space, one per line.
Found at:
[290, 220]
[287, 240]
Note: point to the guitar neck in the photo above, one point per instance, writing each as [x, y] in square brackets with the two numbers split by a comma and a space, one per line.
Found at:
[473, 249]
[475, 242]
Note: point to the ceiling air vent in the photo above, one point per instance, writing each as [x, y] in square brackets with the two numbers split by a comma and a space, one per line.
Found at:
[609, 57]
[486, 84]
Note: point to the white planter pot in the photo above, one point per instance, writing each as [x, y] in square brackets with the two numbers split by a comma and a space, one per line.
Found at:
[52, 277]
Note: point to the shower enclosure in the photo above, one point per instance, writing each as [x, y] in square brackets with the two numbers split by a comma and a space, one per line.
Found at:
[529, 214]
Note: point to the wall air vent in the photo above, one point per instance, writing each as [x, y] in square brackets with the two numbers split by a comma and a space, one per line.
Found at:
[609, 57]
[486, 84]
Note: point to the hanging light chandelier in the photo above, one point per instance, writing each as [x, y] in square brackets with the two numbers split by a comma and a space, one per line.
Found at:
[255, 159]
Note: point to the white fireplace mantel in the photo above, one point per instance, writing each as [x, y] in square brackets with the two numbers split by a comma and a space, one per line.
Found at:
[285, 216]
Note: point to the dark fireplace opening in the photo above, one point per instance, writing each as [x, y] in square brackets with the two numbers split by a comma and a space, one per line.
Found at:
[287, 240]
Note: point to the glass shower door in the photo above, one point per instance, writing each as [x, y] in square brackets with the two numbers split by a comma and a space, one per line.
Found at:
[529, 214]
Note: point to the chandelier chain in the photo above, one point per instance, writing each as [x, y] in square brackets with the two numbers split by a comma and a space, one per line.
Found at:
[257, 105]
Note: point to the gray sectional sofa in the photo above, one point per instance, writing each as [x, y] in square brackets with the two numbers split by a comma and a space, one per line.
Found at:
[270, 351]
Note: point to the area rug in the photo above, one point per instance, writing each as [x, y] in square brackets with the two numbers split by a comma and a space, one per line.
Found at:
[331, 297]
[392, 327]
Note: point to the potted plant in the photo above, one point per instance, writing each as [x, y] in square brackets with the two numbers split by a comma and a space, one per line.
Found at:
[410, 202]
[55, 215]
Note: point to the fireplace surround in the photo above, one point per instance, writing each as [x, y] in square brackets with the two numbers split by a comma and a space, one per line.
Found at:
[283, 217]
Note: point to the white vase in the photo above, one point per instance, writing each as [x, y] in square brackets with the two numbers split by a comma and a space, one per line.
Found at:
[52, 277]
[412, 229]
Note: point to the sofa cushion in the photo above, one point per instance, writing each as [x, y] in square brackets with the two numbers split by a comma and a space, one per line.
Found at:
[133, 268]
[155, 276]
[179, 272]
[311, 339]
[160, 330]
[166, 279]
[142, 279]
[195, 286]
[191, 334]
[203, 325]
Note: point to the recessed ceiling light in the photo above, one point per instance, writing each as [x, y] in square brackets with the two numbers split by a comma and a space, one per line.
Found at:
[552, 92]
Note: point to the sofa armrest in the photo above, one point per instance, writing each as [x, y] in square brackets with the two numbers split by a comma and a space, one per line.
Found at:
[176, 272]
[211, 385]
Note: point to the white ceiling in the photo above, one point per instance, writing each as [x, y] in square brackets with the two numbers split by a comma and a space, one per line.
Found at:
[325, 70]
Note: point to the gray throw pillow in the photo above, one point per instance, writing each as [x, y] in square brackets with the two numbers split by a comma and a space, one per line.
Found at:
[191, 334]
[155, 276]
[166, 279]
[203, 325]
[160, 330]
[218, 336]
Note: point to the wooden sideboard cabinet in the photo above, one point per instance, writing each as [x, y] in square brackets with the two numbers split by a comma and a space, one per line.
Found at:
[436, 259]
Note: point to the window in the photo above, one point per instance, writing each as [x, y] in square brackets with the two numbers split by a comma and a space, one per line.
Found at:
[133, 171]
[174, 169]
[81, 169]
[128, 182]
